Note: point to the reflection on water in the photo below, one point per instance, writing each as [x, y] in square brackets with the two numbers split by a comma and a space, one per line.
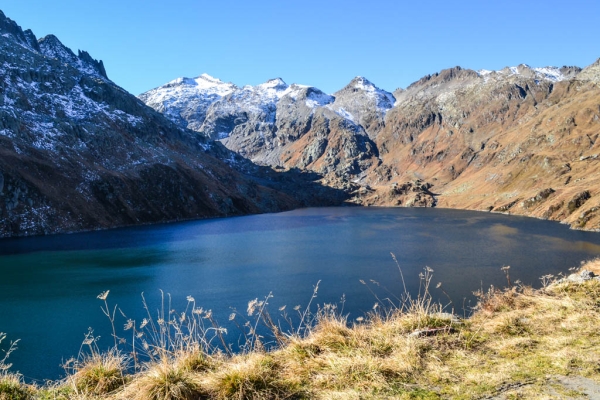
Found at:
[49, 284]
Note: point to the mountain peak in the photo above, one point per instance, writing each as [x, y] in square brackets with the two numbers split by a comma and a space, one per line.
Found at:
[52, 47]
[350, 101]
[363, 84]
[361, 80]
[209, 78]
[204, 81]
[273, 88]
[32, 40]
[276, 83]
[10, 28]
[98, 65]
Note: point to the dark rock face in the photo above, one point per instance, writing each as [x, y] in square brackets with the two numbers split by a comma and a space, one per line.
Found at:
[51, 47]
[11, 29]
[77, 152]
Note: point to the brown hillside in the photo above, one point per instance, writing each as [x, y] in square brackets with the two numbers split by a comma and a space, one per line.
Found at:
[510, 144]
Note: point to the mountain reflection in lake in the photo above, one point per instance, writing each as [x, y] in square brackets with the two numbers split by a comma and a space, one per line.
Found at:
[49, 284]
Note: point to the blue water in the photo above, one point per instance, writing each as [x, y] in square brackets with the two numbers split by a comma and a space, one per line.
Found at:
[48, 285]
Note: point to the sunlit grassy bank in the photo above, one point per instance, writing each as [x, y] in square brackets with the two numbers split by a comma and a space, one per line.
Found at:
[519, 343]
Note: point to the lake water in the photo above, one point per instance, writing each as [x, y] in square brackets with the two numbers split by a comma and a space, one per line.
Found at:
[48, 285]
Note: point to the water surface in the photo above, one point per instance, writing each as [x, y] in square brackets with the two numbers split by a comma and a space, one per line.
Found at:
[48, 285]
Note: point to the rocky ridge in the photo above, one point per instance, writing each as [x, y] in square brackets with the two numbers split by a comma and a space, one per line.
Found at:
[77, 152]
[519, 140]
[288, 126]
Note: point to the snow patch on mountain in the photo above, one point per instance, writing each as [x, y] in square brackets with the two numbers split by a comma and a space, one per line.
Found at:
[273, 88]
[47, 105]
[316, 98]
[552, 74]
[344, 114]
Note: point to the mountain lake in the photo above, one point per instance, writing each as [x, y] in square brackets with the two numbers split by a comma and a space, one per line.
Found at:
[49, 285]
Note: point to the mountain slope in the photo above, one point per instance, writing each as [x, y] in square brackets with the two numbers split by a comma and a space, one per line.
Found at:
[521, 140]
[507, 141]
[78, 152]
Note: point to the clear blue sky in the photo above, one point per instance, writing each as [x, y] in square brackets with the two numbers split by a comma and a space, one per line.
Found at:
[145, 43]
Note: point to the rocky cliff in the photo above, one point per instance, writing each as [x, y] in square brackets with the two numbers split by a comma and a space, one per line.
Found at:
[520, 140]
[77, 152]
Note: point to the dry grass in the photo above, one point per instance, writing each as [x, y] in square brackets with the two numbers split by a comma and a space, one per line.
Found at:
[97, 374]
[162, 381]
[13, 388]
[515, 342]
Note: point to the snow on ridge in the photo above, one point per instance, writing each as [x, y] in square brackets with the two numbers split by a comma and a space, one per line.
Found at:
[273, 88]
[206, 81]
[201, 83]
[207, 77]
[552, 74]
[363, 83]
[173, 96]
[273, 83]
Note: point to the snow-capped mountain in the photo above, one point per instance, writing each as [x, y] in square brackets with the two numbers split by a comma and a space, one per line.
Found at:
[78, 152]
[186, 100]
[261, 122]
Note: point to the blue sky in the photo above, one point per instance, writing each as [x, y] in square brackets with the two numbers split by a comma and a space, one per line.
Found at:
[146, 43]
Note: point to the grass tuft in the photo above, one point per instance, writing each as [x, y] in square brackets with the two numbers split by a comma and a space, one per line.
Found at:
[255, 376]
[13, 388]
[97, 374]
[165, 381]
